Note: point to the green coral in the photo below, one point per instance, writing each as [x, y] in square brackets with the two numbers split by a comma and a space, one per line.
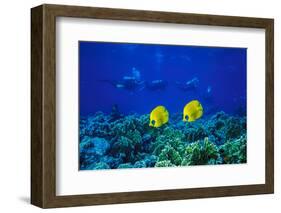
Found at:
[170, 137]
[234, 151]
[127, 140]
[128, 144]
[164, 163]
[169, 153]
[200, 153]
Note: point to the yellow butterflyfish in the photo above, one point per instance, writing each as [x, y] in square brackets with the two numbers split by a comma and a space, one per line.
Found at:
[158, 116]
[192, 111]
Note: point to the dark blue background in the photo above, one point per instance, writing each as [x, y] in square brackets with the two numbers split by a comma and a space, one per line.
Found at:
[222, 69]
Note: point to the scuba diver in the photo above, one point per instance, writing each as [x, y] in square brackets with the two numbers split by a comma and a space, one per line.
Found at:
[190, 85]
[156, 85]
[131, 83]
[127, 83]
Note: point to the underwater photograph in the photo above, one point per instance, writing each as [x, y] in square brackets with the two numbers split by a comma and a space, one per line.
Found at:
[158, 105]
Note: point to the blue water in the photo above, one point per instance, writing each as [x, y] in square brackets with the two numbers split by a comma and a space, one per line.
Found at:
[220, 74]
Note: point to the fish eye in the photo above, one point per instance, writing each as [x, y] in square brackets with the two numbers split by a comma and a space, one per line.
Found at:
[186, 117]
[153, 122]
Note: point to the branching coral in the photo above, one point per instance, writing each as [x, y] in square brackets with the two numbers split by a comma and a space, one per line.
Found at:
[223, 127]
[97, 126]
[169, 153]
[164, 163]
[234, 151]
[195, 132]
[125, 147]
[200, 153]
[235, 127]
[170, 137]
[145, 160]
[91, 150]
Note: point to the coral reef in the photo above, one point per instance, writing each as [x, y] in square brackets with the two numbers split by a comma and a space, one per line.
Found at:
[200, 153]
[111, 141]
[170, 154]
[164, 163]
[234, 151]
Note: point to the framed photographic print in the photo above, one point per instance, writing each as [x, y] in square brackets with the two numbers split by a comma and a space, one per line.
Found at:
[136, 106]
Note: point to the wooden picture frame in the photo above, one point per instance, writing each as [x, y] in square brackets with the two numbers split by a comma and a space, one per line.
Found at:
[43, 105]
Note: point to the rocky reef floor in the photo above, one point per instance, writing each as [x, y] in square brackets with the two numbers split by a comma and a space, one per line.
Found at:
[114, 142]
